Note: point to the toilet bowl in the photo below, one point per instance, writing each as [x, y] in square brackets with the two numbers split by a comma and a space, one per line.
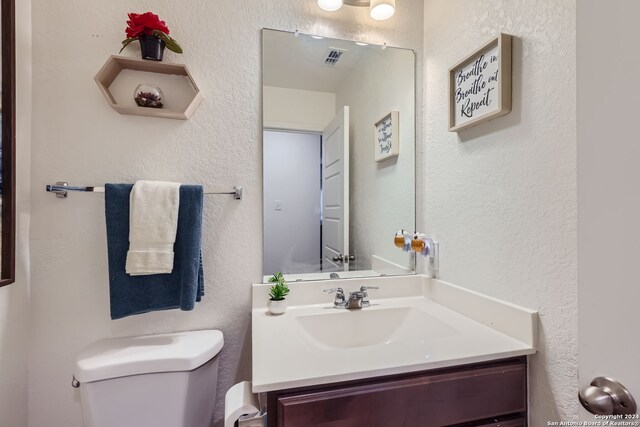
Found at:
[166, 380]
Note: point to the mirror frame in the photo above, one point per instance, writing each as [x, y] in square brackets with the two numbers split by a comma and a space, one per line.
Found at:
[413, 257]
[8, 252]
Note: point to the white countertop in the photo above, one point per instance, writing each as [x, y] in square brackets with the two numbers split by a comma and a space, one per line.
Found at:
[441, 325]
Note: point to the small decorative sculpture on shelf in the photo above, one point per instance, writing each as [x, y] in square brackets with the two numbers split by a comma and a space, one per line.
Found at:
[149, 96]
[152, 33]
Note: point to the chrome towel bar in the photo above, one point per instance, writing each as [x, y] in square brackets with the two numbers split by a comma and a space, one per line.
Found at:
[61, 189]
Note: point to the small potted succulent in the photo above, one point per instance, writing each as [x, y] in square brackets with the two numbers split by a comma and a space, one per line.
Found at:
[152, 33]
[277, 303]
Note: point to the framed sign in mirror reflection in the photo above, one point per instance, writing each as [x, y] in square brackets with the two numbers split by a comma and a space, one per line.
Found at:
[387, 143]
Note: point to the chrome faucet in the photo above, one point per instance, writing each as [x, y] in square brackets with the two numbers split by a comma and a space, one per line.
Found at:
[356, 300]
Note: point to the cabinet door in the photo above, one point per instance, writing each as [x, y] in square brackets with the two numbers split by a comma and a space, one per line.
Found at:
[426, 400]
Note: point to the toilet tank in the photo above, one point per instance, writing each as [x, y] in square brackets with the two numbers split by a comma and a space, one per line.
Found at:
[166, 380]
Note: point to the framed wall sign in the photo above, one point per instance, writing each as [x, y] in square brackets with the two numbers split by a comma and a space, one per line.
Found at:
[387, 143]
[480, 85]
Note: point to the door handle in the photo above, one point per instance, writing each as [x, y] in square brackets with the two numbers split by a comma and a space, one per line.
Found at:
[606, 396]
[343, 258]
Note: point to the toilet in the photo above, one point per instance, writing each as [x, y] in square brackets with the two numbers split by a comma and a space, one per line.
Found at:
[166, 380]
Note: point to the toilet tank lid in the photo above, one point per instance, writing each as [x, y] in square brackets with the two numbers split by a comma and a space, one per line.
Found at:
[121, 357]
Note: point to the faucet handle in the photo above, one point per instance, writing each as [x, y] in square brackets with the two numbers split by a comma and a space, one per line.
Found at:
[365, 296]
[339, 301]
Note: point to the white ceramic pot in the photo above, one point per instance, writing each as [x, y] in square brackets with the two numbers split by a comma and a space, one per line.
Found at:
[277, 307]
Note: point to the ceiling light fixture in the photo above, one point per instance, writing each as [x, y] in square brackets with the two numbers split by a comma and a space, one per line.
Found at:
[330, 5]
[378, 9]
[382, 9]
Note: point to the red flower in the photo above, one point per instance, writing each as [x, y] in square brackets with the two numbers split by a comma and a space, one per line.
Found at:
[146, 23]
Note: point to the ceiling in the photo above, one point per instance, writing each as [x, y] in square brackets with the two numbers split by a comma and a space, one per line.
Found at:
[299, 62]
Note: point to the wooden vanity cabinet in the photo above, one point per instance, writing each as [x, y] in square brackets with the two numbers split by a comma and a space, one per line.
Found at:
[491, 394]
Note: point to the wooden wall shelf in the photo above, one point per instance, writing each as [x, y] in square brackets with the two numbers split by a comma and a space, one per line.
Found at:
[115, 65]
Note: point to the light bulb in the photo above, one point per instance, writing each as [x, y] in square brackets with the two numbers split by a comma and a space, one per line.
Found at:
[382, 9]
[330, 5]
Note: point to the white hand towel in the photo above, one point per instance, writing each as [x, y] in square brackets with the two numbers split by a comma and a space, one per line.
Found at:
[153, 222]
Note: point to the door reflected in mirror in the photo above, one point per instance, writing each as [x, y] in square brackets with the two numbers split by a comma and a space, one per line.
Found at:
[338, 157]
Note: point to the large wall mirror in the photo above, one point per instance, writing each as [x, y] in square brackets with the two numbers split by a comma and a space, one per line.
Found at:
[338, 156]
[7, 144]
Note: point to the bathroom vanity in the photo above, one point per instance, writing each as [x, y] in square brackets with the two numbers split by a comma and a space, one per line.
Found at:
[485, 394]
[425, 353]
[414, 352]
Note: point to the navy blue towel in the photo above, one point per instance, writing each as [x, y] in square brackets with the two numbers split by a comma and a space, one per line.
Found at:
[141, 294]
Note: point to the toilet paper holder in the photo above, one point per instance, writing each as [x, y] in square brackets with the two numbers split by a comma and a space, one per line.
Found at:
[259, 419]
[242, 408]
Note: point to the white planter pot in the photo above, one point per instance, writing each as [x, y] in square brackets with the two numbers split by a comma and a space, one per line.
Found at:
[277, 307]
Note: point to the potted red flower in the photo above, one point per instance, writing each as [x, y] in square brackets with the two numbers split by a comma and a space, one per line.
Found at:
[152, 33]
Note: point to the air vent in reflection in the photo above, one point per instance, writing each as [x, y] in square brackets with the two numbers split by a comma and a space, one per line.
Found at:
[333, 56]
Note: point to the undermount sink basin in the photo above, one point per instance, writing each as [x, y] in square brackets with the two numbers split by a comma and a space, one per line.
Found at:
[339, 329]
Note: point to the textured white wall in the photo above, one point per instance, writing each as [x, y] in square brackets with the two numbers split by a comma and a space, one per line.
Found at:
[382, 194]
[501, 197]
[78, 138]
[14, 299]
